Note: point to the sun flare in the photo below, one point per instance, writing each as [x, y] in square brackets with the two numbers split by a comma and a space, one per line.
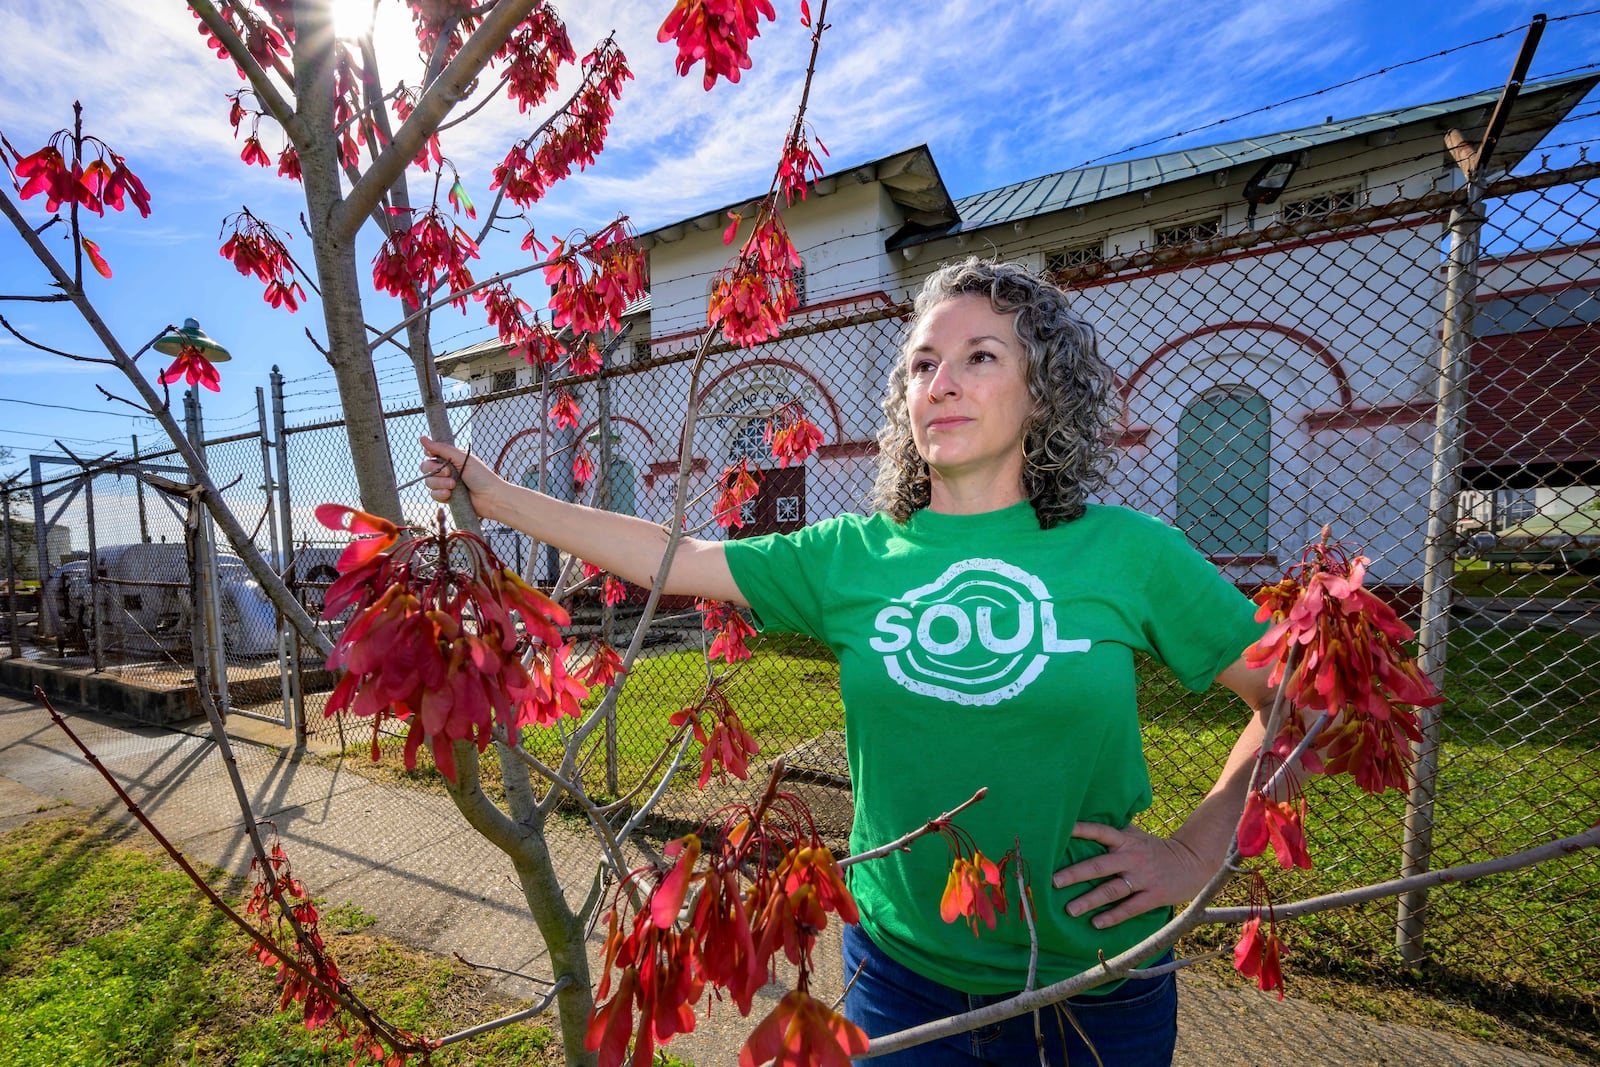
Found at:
[352, 19]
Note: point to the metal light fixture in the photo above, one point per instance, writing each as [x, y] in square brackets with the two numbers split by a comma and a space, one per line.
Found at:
[1268, 182]
[191, 336]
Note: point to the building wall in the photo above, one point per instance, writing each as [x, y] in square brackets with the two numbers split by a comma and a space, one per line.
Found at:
[1337, 333]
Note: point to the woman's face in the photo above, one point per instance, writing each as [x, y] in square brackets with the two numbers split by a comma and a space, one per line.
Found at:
[967, 391]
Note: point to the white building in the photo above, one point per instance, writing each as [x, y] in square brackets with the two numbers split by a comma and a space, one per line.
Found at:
[1269, 386]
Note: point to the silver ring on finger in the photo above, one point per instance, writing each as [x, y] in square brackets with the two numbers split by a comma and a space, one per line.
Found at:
[1131, 889]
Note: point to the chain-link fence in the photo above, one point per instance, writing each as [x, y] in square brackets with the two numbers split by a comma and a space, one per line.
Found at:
[1418, 374]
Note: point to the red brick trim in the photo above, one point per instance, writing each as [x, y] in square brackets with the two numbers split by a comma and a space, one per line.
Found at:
[847, 449]
[1254, 251]
[1413, 411]
[594, 424]
[1539, 253]
[875, 296]
[669, 468]
[1534, 290]
[1319, 348]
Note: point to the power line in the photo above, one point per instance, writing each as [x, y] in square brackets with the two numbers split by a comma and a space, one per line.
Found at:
[65, 407]
[1337, 85]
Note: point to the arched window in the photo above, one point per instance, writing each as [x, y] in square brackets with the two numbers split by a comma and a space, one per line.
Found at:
[619, 487]
[1224, 466]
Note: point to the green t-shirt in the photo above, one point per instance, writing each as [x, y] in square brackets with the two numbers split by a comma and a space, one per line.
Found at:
[980, 650]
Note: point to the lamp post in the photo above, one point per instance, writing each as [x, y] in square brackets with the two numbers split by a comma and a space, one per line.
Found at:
[174, 343]
[190, 335]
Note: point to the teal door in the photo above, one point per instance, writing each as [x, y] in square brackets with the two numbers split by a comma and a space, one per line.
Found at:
[1224, 462]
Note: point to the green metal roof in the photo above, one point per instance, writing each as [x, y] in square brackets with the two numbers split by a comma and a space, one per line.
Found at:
[1539, 106]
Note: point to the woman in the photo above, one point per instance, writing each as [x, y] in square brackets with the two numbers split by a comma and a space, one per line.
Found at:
[985, 621]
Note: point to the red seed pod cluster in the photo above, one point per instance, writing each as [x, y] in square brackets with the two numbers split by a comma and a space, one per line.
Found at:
[735, 487]
[1349, 662]
[1338, 652]
[565, 413]
[533, 56]
[757, 882]
[423, 254]
[602, 667]
[752, 299]
[975, 889]
[317, 1006]
[727, 746]
[444, 637]
[192, 367]
[1259, 955]
[254, 247]
[266, 39]
[455, 19]
[792, 435]
[594, 281]
[799, 164]
[729, 625]
[1279, 823]
[583, 467]
[573, 138]
[405, 102]
[716, 32]
[63, 176]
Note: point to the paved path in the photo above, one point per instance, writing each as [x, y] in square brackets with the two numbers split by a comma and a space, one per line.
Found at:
[407, 858]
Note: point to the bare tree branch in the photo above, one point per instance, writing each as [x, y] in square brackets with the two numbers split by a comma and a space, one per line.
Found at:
[1123, 964]
[1550, 850]
[14, 332]
[109, 395]
[260, 81]
[432, 108]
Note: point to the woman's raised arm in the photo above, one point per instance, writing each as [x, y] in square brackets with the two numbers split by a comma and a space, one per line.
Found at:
[628, 547]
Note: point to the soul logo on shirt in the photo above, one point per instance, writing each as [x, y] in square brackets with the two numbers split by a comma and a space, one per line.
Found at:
[978, 634]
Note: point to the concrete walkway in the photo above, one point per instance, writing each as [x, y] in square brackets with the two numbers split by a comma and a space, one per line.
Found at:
[407, 858]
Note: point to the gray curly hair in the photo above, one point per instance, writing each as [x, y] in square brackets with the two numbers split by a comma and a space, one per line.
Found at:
[1066, 448]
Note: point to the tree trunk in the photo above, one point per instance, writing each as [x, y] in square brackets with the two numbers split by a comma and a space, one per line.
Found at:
[335, 259]
[520, 836]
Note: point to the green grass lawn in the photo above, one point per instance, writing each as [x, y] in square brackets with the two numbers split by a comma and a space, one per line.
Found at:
[1519, 581]
[109, 957]
[1520, 764]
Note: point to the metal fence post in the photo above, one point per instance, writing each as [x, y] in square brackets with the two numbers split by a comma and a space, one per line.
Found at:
[280, 439]
[267, 487]
[210, 630]
[49, 624]
[138, 492]
[1460, 295]
[607, 611]
[11, 572]
[96, 653]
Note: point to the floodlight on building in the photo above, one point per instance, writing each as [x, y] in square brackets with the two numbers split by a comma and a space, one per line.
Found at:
[1268, 182]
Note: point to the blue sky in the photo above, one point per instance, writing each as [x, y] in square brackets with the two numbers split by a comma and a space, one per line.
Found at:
[1001, 91]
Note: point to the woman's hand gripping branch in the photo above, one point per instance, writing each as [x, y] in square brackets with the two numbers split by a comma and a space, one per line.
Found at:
[629, 547]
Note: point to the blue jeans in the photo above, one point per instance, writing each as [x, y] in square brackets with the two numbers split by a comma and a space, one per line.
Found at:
[1135, 1025]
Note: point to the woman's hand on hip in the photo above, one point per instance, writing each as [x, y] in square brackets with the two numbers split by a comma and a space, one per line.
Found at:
[1137, 873]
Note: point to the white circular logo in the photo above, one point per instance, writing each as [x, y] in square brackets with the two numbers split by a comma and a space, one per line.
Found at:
[978, 634]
